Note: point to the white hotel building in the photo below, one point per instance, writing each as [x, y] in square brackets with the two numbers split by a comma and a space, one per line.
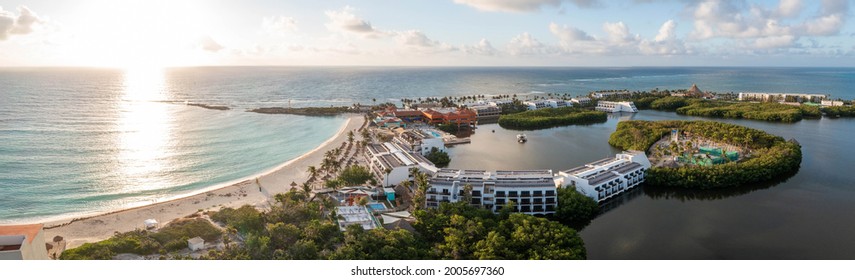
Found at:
[419, 141]
[391, 162]
[781, 97]
[608, 177]
[615, 107]
[550, 103]
[532, 191]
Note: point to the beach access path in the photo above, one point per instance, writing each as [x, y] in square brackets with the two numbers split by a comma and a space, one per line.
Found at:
[77, 231]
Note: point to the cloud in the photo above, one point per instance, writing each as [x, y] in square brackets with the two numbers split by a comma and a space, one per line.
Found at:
[521, 6]
[618, 40]
[666, 32]
[665, 42]
[207, 43]
[344, 21]
[483, 47]
[418, 41]
[278, 24]
[761, 27]
[789, 8]
[18, 25]
[524, 44]
[574, 40]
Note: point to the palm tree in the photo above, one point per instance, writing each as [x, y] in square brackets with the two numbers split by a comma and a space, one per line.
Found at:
[307, 191]
[313, 172]
[350, 136]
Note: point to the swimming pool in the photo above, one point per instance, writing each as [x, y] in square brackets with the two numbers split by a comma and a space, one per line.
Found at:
[435, 134]
[376, 206]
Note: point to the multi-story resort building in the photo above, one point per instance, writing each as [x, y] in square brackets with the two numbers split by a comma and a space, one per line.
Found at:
[608, 177]
[22, 242]
[533, 192]
[534, 105]
[487, 111]
[420, 141]
[581, 100]
[540, 104]
[553, 103]
[827, 103]
[459, 117]
[499, 103]
[611, 93]
[782, 97]
[391, 163]
[615, 107]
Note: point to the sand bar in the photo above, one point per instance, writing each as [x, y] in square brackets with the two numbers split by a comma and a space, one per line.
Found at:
[77, 231]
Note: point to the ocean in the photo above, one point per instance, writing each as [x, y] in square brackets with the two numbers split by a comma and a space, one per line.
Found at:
[77, 141]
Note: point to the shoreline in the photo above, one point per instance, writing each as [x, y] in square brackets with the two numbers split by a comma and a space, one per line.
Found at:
[255, 190]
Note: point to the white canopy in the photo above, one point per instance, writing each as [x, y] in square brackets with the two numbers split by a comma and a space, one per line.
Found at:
[150, 223]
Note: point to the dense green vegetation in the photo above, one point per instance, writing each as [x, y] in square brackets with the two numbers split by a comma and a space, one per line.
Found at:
[438, 157]
[772, 156]
[354, 175]
[459, 231]
[551, 117]
[168, 239]
[671, 103]
[839, 111]
[766, 111]
[297, 227]
[575, 209]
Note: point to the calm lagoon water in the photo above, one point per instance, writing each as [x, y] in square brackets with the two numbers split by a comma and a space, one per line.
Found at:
[805, 216]
[78, 141]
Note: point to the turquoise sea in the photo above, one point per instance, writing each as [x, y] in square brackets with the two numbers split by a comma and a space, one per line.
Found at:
[76, 141]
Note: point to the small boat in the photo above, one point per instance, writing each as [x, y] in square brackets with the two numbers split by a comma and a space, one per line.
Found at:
[521, 138]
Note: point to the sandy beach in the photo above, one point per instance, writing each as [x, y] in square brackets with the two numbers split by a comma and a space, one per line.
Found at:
[254, 191]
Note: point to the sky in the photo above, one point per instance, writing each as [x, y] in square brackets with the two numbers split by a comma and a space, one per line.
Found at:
[156, 33]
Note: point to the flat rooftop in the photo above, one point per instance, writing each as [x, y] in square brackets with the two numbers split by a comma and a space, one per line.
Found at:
[30, 231]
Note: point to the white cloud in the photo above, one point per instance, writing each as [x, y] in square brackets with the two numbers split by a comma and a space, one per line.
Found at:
[209, 44]
[418, 41]
[574, 40]
[619, 33]
[775, 42]
[789, 8]
[525, 44]
[278, 24]
[666, 32]
[760, 27]
[519, 6]
[665, 42]
[19, 25]
[344, 21]
[483, 47]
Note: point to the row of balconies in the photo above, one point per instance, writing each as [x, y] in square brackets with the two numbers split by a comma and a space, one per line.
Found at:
[525, 194]
[526, 201]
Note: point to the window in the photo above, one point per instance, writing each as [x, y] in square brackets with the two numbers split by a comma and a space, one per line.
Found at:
[550, 193]
[500, 201]
[538, 193]
[512, 194]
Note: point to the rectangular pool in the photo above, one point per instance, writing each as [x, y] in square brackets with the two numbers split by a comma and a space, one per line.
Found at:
[376, 206]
